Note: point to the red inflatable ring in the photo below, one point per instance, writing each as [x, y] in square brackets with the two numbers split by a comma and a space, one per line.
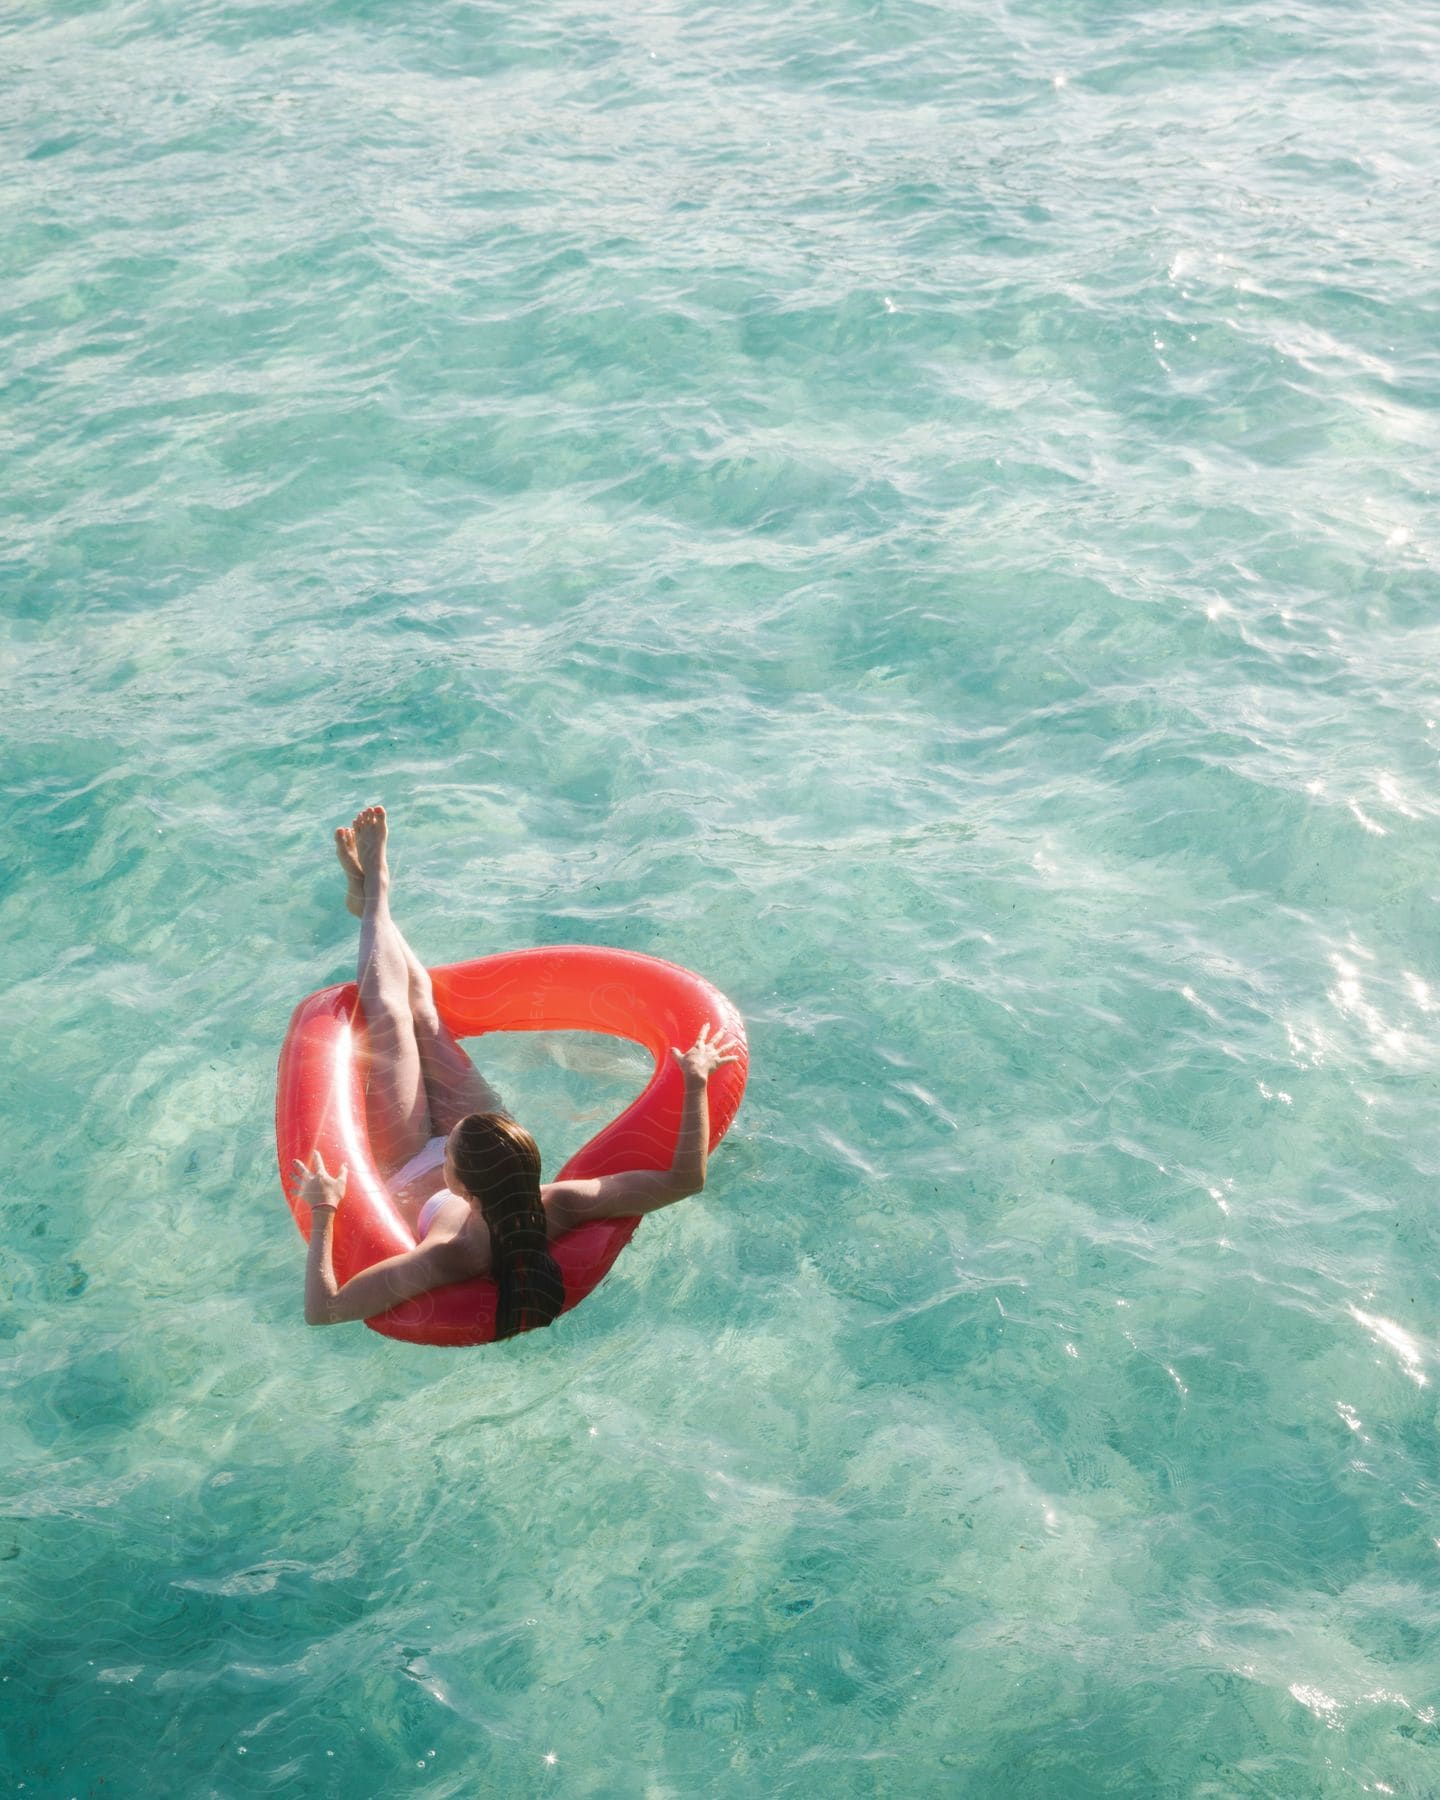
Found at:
[320, 1105]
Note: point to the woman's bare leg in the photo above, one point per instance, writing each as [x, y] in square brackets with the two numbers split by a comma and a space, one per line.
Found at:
[397, 1107]
[453, 1085]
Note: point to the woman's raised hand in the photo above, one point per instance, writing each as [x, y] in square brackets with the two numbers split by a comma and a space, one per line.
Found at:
[316, 1185]
[707, 1054]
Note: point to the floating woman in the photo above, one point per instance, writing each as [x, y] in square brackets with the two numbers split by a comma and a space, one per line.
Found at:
[461, 1172]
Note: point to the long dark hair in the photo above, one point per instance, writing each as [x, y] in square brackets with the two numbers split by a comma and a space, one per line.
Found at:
[498, 1164]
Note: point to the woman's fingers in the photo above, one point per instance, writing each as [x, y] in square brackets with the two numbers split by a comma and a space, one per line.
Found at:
[315, 1170]
[719, 1049]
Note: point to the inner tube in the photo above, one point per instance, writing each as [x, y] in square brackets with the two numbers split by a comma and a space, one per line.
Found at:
[320, 1105]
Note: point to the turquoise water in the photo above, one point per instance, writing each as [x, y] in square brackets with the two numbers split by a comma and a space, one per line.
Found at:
[924, 514]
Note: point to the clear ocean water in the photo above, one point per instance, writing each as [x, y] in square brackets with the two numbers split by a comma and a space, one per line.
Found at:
[925, 513]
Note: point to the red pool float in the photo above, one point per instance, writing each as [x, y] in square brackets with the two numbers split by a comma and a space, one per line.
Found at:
[320, 1105]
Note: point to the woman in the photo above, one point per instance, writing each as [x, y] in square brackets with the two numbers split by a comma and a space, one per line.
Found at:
[463, 1174]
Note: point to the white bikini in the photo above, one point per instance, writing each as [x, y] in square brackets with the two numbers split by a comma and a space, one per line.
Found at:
[429, 1156]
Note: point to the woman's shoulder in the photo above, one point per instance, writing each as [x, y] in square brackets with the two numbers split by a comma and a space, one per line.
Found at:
[461, 1249]
[561, 1202]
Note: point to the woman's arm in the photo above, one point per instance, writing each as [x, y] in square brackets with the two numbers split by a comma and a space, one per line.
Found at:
[572, 1203]
[373, 1290]
[378, 1288]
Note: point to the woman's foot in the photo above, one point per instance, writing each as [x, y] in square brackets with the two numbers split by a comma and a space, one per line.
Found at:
[350, 863]
[370, 831]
